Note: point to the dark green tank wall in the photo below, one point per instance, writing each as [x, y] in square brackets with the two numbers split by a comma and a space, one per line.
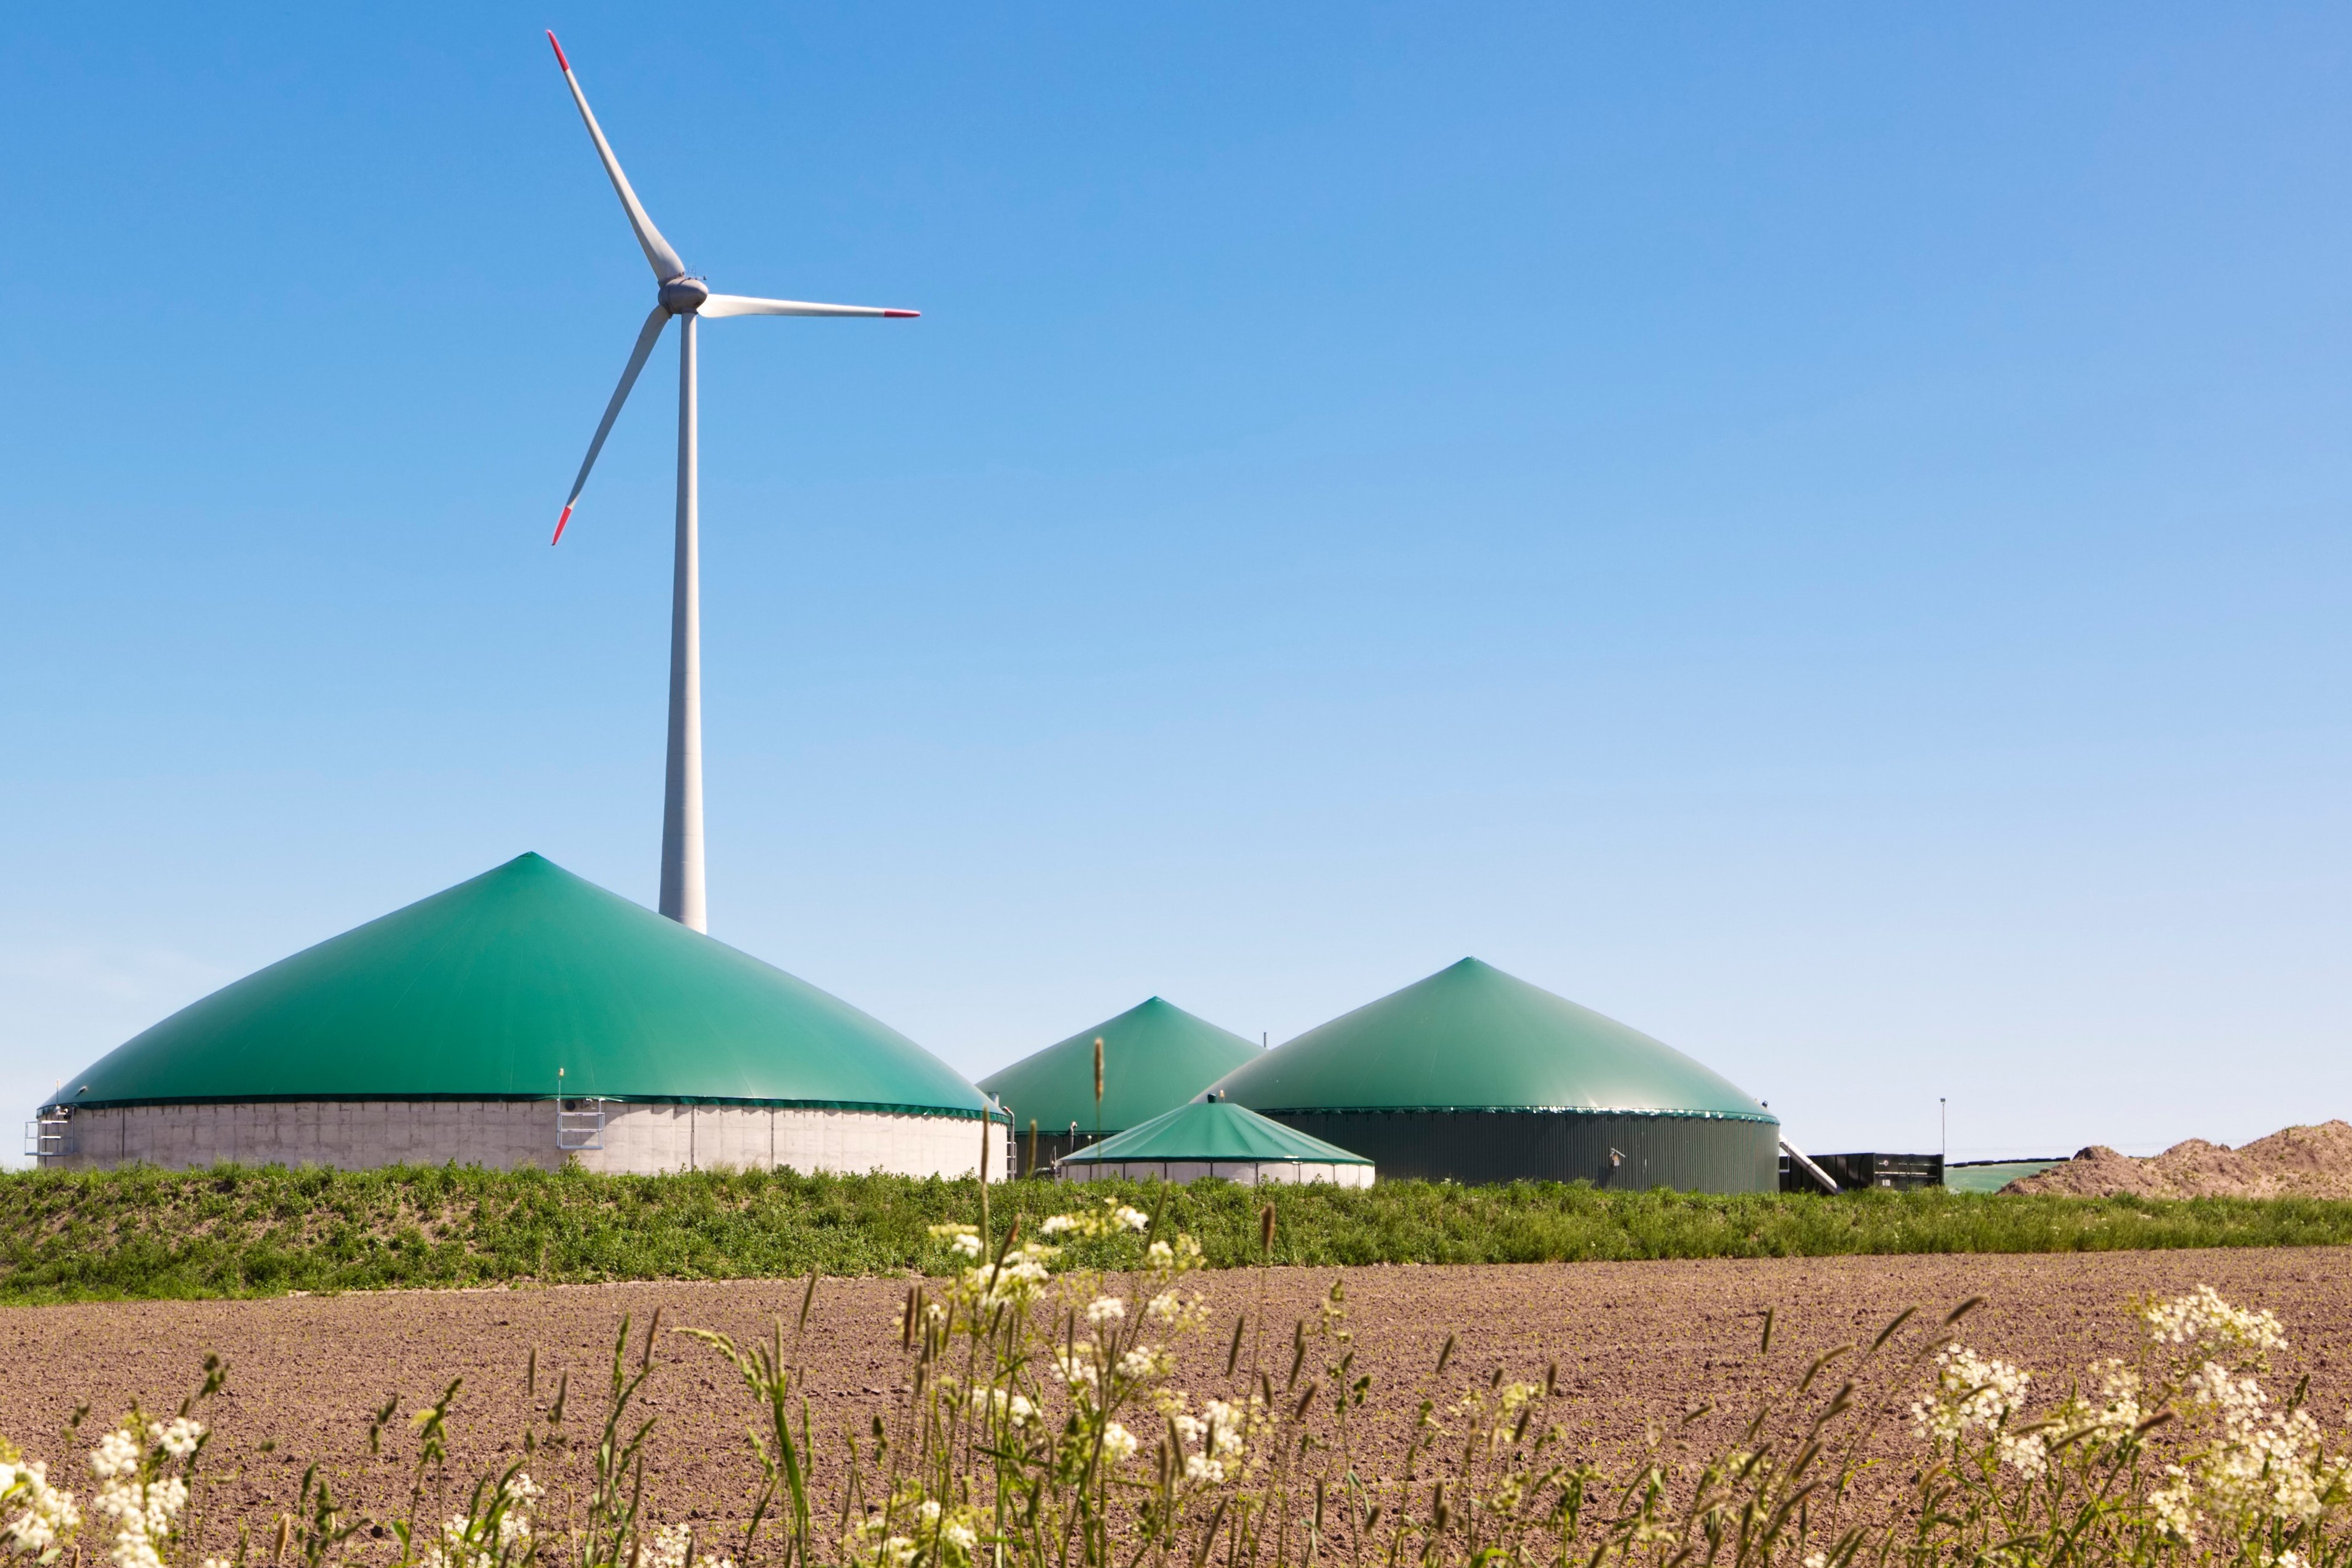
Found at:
[1688, 1153]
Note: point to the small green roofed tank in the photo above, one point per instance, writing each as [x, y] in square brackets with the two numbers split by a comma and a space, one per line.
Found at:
[1216, 1138]
[1475, 1076]
[446, 1030]
[1156, 1057]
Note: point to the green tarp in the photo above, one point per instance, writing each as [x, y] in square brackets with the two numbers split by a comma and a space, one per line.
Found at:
[1215, 1130]
[481, 992]
[1472, 1038]
[1991, 1178]
[1155, 1058]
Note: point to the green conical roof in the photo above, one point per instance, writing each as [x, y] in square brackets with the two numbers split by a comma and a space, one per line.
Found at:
[1155, 1058]
[1472, 1038]
[481, 992]
[1211, 1129]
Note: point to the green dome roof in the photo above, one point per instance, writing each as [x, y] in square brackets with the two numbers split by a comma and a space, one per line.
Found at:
[1472, 1038]
[1212, 1131]
[1155, 1058]
[482, 991]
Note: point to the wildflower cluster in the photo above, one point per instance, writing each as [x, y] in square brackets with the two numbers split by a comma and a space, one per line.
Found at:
[1979, 1393]
[37, 1520]
[2252, 1471]
[2205, 1323]
[141, 1471]
[499, 1534]
[1114, 1218]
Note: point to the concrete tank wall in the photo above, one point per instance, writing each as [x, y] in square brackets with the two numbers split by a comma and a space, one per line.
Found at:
[1248, 1173]
[509, 1134]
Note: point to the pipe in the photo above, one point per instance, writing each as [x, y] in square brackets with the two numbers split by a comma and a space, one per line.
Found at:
[1798, 1155]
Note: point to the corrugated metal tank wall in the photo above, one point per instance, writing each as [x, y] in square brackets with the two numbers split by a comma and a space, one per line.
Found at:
[1688, 1153]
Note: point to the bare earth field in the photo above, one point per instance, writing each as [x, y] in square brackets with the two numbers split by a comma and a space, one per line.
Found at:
[1639, 1345]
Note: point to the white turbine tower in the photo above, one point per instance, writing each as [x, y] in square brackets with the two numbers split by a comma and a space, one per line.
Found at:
[684, 296]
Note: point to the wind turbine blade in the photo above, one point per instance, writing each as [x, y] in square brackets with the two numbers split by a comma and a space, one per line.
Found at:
[647, 336]
[745, 305]
[658, 254]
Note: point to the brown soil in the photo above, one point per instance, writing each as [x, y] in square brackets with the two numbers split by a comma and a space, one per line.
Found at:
[2293, 1163]
[1639, 1345]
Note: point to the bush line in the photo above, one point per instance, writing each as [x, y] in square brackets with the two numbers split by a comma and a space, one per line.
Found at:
[144, 1233]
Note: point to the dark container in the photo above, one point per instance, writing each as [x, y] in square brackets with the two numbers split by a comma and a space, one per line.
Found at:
[1896, 1172]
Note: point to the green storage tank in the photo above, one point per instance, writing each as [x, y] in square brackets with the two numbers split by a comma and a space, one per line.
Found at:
[1214, 1137]
[1156, 1057]
[1474, 1076]
[447, 1030]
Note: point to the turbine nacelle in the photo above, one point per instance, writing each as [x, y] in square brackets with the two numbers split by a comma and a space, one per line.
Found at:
[684, 296]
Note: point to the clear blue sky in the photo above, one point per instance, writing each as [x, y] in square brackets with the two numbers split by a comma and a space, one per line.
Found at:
[1820, 533]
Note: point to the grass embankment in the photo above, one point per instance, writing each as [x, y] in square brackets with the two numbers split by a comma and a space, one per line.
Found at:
[237, 1232]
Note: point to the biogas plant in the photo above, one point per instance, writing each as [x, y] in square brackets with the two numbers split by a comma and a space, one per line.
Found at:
[527, 1019]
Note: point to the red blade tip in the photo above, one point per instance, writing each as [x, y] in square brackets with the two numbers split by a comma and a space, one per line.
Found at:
[559, 526]
[559, 52]
[906, 315]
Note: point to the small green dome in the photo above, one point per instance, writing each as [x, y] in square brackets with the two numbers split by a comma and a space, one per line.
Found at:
[1212, 1131]
[1155, 1058]
[1472, 1038]
[481, 992]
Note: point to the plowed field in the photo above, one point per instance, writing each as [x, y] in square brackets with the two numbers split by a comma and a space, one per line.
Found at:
[1639, 1345]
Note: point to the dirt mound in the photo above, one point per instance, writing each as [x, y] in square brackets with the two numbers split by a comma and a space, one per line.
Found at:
[2292, 1163]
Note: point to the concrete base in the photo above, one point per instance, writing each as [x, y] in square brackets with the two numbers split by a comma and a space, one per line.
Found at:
[642, 1140]
[1248, 1173]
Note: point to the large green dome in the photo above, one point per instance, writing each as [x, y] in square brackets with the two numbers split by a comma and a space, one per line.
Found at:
[481, 992]
[1470, 1037]
[1156, 1055]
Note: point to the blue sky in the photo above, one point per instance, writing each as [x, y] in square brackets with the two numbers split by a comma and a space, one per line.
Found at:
[1818, 533]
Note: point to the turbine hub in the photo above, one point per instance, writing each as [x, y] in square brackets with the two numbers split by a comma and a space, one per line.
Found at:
[683, 296]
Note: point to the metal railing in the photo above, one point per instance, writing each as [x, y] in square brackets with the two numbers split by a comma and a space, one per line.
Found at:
[49, 1137]
[578, 1125]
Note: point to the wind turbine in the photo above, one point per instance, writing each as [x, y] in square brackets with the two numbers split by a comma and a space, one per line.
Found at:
[682, 295]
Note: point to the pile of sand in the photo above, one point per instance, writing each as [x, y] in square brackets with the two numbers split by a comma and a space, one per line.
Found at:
[2293, 1163]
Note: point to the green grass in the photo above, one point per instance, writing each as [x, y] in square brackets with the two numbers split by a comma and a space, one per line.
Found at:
[143, 1234]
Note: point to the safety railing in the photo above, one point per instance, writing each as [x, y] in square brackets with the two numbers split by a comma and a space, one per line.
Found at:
[49, 1137]
[578, 1125]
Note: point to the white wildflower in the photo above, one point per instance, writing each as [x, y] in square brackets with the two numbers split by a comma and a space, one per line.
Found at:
[1075, 1363]
[117, 1455]
[1146, 1361]
[671, 1546]
[1970, 1391]
[48, 1515]
[179, 1438]
[1225, 1423]
[2203, 1318]
[1105, 1309]
[2175, 1506]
